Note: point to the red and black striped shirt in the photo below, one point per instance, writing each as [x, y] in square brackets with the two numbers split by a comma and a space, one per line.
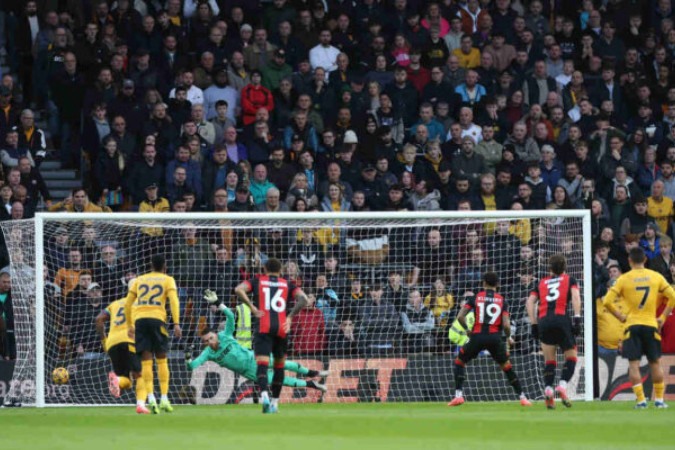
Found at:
[271, 294]
[554, 294]
[489, 307]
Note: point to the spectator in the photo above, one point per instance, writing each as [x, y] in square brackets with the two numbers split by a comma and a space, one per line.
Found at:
[441, 303]
[308, 330]
[418, 324]
[260, 184]
[378, 331]
[255, 96]
[7, 337]
[30, 137]
[67, 277]
[11, 152]
[144, 173]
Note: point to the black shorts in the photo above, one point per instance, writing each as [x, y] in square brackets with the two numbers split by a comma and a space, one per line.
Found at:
[124, 359]
[265, 344]
[641, 340]
[151, 336]
[479, 342]
[557, 330]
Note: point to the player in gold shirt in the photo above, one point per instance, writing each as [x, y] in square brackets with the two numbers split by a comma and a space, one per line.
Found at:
[148, 295]
[121, 350]
[641, 290]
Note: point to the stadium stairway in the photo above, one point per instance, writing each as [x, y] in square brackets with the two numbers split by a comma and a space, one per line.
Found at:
[59, 181]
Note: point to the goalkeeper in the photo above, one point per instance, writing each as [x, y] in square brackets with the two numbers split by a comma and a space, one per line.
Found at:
[224, 350]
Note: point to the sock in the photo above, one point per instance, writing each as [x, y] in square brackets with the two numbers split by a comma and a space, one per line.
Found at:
[151, 398]
[146, 373]
[310, 384]
[163, 375]
[310, 373]
[659, 389]
[125, 383]
[568, 369]
[549, 373]
[261, 374]
[562, 384]
[277, 382]
[459, 393]
[459, 375]
[141, 393]
[264, 396]
[513, 379]
[275, 401]
[639, 393]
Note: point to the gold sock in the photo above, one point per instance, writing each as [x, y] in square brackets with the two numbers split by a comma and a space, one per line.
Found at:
[639, 392]
[163, 375]
[141, 393]
[659, 389]
[147, 376]
[125, 383]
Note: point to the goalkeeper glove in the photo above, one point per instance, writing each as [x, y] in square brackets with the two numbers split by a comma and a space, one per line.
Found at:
[577, 322]
[211, 297]
[188, 354]
[535, 330]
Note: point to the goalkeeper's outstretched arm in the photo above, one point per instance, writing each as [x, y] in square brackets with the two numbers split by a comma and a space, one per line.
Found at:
[212, 299]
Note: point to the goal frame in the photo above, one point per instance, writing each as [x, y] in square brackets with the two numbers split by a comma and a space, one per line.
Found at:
[42, 217]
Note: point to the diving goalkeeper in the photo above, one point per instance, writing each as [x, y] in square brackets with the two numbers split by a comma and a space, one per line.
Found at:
[224, 350]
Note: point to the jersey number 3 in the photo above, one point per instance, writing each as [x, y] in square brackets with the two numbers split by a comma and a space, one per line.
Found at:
[275, 303]
[553, 291]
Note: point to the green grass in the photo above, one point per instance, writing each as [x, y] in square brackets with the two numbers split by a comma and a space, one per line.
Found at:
[414, 426]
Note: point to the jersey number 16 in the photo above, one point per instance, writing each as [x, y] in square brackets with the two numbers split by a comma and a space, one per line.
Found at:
[276, 303]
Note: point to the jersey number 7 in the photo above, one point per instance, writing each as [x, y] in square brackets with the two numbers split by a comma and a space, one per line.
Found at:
[645, 294]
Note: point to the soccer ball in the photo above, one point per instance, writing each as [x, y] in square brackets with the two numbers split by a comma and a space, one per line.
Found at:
[60, 375]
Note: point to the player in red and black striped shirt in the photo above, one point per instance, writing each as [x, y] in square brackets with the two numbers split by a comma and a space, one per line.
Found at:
[271, 294]
[551, 323]
[492, 316]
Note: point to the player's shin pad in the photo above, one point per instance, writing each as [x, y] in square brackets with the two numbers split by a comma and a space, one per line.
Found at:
[277, 381]
[460, 375]
[568, 369]
[549, 373]
[261, 374]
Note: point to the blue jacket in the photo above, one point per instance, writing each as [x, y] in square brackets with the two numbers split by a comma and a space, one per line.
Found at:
[480, 93]
[435, 128]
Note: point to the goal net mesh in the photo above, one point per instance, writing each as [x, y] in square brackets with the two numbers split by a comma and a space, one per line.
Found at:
[385, 293]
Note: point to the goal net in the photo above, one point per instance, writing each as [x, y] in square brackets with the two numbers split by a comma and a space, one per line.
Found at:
[386, 289]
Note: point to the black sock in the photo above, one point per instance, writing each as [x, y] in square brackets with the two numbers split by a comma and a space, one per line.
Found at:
[277, 381]
[312, 384]
[549, 373]
[568, 369]
[312, 374]
[513, 380]
[459, 374]
[261, 372]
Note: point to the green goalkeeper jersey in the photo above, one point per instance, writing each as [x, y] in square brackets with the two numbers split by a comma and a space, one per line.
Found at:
[230, 353]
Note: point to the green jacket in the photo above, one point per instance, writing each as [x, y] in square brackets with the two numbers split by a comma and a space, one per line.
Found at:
[272, 74]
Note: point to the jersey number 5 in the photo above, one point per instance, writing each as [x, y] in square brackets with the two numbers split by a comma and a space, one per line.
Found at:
[120, 317]
[276, 303]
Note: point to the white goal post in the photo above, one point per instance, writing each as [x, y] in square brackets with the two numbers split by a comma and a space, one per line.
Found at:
[406, 358]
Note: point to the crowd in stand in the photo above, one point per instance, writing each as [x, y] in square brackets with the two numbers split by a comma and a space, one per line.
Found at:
[344, 105]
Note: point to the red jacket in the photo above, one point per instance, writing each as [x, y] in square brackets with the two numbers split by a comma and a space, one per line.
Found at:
[308, 331]
[252, 99]
[667, 332]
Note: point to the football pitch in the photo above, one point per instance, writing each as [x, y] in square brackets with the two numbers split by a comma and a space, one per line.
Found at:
[392, 426]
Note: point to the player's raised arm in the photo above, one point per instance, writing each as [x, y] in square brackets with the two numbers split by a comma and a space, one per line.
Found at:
[242, 291]
[212, 298]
